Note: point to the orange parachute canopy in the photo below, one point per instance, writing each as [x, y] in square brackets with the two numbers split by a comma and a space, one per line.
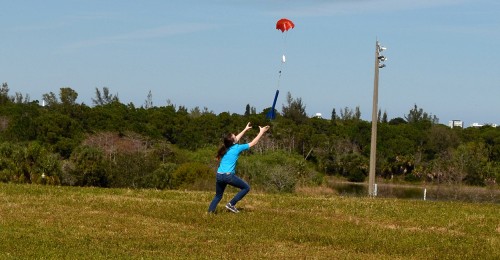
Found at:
[284, 25]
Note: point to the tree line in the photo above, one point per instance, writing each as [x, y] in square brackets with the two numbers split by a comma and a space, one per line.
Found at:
[111, 144]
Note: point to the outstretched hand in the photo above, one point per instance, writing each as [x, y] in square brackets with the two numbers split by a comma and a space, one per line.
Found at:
[263, 128]
[249, 126]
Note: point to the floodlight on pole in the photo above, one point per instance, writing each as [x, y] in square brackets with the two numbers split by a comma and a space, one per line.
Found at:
[379, 59]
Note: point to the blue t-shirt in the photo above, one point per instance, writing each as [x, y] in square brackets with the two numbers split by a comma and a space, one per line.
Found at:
[228, 161]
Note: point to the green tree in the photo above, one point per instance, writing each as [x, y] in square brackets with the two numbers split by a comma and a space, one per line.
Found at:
[20, 99]
[149, 101]
[105, 97]
[440, 139]
[28, 163]
[50, 99]
[60, 131]
[357, 113]
[384, 117]
[68, 96]
[4, 94]
[294, 109]
[247, 110]
[334, 115]
[397, 121]
[89, 167]
[20, 121]
[418, 115]
[353, 166]
[472, 158]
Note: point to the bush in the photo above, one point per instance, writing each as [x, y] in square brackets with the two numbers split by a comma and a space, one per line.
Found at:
[412, 178]
[193, 176]
[88, 167]
[356, 175]
[282, 178]
[275, 172]
[30, 163]
[161, 178]
[131, 170]
[318, 178]
[353, 166]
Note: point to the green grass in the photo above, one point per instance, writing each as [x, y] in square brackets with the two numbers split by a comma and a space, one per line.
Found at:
[87, 223]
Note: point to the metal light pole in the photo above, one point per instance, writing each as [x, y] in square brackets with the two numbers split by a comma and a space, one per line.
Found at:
[373, 148]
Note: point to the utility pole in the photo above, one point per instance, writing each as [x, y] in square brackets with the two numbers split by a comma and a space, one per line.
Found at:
[373, 148]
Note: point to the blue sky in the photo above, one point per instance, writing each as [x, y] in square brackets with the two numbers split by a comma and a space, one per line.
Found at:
[443, 55]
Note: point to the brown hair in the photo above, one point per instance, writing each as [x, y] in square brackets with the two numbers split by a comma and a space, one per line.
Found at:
[228, 142]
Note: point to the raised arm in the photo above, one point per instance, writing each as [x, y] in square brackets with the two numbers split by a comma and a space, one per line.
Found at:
[262, 130]
[238, 137]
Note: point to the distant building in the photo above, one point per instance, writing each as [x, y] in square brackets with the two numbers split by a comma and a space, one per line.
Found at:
[460, 123]
[318, 115]
[456, 123]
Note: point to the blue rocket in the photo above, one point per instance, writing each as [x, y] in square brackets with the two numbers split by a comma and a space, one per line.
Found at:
[271, 114]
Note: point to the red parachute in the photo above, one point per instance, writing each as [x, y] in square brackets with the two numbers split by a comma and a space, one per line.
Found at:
[284, 25]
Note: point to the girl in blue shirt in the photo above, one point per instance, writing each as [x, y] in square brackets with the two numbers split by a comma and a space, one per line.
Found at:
[226, 173]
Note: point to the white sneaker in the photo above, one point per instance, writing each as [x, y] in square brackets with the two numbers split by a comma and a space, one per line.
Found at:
[231, 208]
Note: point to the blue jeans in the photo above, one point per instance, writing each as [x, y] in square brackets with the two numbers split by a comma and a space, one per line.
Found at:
[220, 185]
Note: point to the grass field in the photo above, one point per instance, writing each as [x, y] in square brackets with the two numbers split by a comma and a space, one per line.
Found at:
[47, 222]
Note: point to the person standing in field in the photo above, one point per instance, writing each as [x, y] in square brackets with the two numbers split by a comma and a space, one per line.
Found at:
[226, 173]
